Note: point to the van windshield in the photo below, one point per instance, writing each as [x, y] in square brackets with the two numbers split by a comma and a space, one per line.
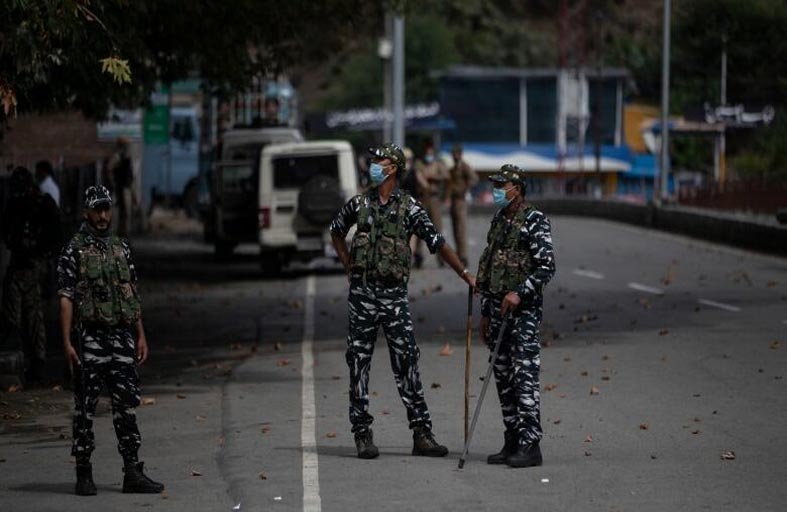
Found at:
[294, 171]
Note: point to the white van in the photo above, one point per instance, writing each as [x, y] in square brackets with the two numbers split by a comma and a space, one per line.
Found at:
[299, 187]
[302, 187]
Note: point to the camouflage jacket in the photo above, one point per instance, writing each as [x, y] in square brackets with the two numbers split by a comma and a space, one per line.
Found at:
[70, 270]
[536, 236]
[414, 219]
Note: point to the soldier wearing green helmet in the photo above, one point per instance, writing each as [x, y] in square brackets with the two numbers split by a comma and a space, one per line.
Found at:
[516, 264]
[378, 268]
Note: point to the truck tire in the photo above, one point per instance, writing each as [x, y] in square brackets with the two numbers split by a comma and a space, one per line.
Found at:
[319, 200]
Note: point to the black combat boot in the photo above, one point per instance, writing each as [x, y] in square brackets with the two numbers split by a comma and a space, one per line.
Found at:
[425, 445]
[364, 442]
[525, 456]
[135, 481]
[85, 485]
[509, 448]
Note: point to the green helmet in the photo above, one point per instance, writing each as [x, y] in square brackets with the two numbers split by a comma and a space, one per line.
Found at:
[390, 151]
[512, 173]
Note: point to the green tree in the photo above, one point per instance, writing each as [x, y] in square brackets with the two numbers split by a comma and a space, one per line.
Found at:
[52, 51]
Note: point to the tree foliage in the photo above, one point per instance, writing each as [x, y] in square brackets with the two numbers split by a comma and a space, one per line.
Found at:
[52, 52]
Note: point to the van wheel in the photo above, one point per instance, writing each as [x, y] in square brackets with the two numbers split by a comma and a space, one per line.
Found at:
[271, 264]
[223, 249]
[320, 199]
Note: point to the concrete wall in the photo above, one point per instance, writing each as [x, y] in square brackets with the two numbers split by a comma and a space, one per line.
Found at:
[712, 226]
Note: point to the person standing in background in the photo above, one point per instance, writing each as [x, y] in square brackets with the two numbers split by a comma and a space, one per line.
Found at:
[433, 175]
[45, 181]
[121, 176]
[461, 178]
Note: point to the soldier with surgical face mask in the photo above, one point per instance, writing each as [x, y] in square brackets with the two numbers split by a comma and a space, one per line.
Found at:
[378, 270]
[515, 266]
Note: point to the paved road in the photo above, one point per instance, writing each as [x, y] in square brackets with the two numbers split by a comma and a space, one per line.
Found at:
[661, 354]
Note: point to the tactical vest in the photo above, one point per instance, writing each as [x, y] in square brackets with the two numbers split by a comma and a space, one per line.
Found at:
[505, 263]
[105, 294]
[380, 249]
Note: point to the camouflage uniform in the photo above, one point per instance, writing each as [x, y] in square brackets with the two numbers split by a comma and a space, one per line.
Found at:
[107, 345]
[380, 265]
[519, 257]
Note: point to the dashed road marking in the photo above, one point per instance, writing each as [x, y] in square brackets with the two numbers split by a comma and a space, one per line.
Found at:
[588, 273]
[311, 473]
[645, 288]
[720, 305]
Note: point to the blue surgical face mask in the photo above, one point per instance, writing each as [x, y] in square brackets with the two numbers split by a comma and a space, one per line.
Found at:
[499, 196]
[429, 158]
[377, 173]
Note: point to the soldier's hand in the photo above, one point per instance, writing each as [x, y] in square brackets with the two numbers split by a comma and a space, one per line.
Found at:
[510, 302]
[484, 329]
[142, 350]
[469, 279]
[72, 358]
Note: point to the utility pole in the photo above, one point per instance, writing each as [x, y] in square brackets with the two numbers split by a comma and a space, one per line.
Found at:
[661, 194]
[398, 80]
[385, 51]
[723, 137]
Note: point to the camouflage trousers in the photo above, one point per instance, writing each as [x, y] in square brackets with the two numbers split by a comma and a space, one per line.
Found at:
[23, 308]
[517, 370]
[372, 307]
[107, 360]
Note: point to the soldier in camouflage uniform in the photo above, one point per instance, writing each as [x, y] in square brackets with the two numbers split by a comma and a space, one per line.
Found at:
[514, 268]
[99, 305]
[378, 268]
[31, 231]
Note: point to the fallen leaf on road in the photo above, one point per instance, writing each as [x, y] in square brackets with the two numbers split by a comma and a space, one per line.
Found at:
[181, 396]
[194, 472]
[550, 387]
[645, 303]
[283, 362]
[775, 345]
[148, 401]
[296, 304]
[263, 476]
[277, 346]
[695, 432]
[594, 390]
[663, 359]
[605, 358]
[446, 350]
[375, 393]
[14, 388]
[566, 359]
[644, 426]
[265, 430]
[663, 332]
[330, 435]
[386, 412]
[605, 377]
[587, 453]
[335, 377]
[771, 284]
[200, 417]
[557, 421]
[653, 457]
[589, 439]
[57, 388]
[584, 374]
[436, 385]
[728, 455]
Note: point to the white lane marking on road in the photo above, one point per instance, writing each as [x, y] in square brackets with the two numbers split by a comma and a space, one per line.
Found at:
[720, 305]
[588, 273]
[311, 473]
[646, 288]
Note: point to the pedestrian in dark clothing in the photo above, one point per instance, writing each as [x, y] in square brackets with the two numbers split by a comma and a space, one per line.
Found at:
[31, 231]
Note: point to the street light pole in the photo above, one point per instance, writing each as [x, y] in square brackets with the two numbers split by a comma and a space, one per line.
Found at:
[398, 80]
[661, 194]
